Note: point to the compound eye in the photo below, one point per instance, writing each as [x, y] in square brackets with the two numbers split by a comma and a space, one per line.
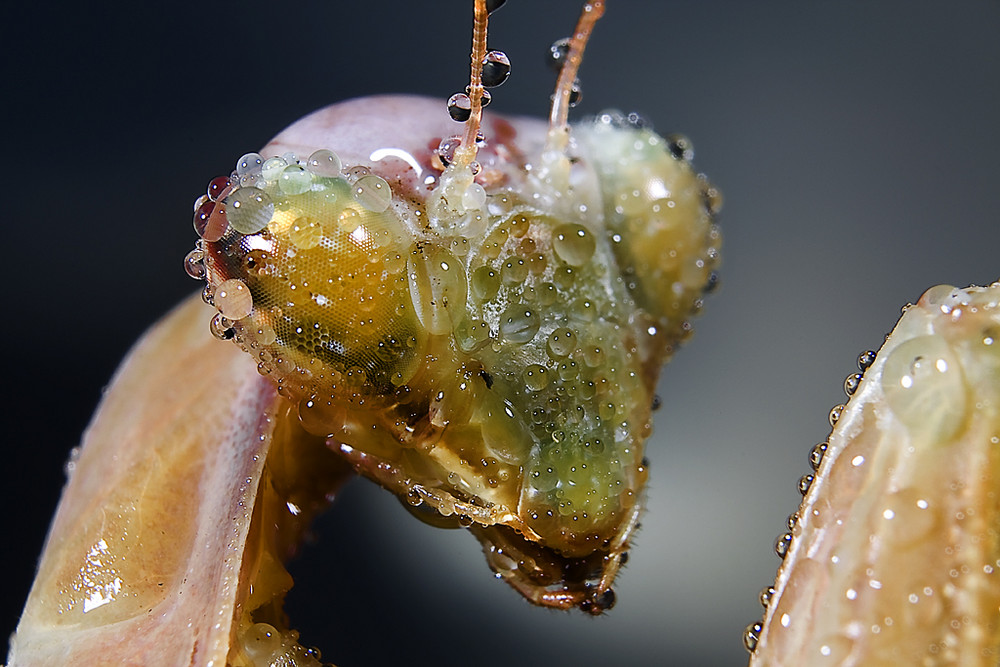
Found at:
[307, 267]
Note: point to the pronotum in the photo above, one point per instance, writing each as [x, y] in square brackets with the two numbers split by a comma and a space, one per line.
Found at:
[878, 152]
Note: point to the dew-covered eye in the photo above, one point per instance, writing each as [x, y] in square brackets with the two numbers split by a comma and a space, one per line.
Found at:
[310, 276]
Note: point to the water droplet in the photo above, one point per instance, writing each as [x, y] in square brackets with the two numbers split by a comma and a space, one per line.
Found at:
[459, 107]
[202, 214]
[233, 299]
[221, 328]
[272, 167]
[373, 193]
[194, 264]
[561, 342]
[594, 356]
[325, 163]
[437, 288]
[470, 335]
[573, 244]
[261, 641]
[866, 359]
[249, 164]
[305, 233]
[496, 69]
[513, 272]
[485, 283]
[766, 594]
[924, 387]
[216, 186]
[248, 210]
[557, 54]
[680, 147]
[493, 5]
[474, 196]
[816, 455]
[835, 413]
[519, 324]
[751, 635]
[782, 543]
[294, 180]
[536, 377]
[446, 149]
[851, 383]
[575, 93]
[804, 483]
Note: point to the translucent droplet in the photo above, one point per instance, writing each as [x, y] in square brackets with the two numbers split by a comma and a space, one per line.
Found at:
[194, 264]
[446, 149]
[851, 383]
[573, 244]
[261, 641]
[438, 288]
[233, 299]
[514, 271]
[493, 5]
[221, 327]
[766, 594]
[925, 388]
[503, 432]
[575, 93]
[470, 335]
[680, 147]
[248, 210]
[459, 107]
[474, 197]
[496, 68]
[519, 324]
[202, 214]
[866, 359]
[816, 455]
[593, 356]
[536, 377]
[249, 164]
[272, 167]
[713, 199]
[373, 193]
[782, 543]
[561, 342]
[804, 483]
[751, 635]
[835, 414]
[216, 186]
[294, 180]
[557, 54]
[485, 283]
[305, 233]
[324, 163]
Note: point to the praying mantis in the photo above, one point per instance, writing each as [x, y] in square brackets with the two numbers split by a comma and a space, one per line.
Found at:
[819, 258]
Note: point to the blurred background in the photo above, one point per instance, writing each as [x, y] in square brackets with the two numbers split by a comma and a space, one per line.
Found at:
[858, 148]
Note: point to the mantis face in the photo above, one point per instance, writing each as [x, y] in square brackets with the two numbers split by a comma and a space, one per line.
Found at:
[489, 351]
[858, 170]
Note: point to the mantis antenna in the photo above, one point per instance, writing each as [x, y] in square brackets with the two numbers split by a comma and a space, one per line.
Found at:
[567, 82]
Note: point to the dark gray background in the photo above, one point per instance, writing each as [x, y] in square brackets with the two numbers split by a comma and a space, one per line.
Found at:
[856, 144]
